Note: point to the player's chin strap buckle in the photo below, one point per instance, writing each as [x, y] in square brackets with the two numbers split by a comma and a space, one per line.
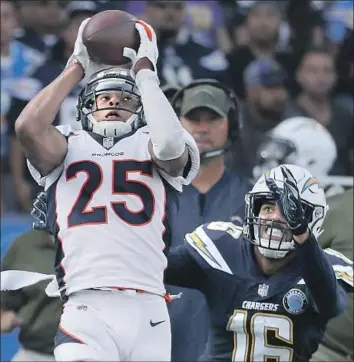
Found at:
[170, 297]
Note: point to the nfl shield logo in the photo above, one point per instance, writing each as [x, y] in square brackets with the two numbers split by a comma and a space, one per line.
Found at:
[263, 290]
[107, 142]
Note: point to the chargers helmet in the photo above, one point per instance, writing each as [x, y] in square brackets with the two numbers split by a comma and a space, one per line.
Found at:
[298, 140]
[110, 80]
[314, 205]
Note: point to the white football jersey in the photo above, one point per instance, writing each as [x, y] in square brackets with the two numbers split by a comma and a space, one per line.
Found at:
[109, 207]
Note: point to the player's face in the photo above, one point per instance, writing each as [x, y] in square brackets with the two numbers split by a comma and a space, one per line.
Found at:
[263, 24]
[166, 15]
[273, 99]
[317, 74]
[274, 225]
[118, 106]
[207, 127]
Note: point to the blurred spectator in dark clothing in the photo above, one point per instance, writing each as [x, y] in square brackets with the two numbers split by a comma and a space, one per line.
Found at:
[306, 24]
[8, 74]
[181, 58]
[266, 98]
[238, 33]
[17, 61]
[41, 23]
[204, 18]
[316, 76]
[109, 4]
[263, 25]
[25, 188]
[211, 116]
[338, 18]
[345, 70]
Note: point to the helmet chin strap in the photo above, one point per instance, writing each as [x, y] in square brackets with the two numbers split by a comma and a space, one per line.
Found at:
[211, 154]
[111, 128]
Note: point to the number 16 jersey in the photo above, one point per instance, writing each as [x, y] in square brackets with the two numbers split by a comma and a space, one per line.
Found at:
[107, 208]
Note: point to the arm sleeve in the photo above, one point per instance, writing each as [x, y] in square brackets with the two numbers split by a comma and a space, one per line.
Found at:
[166, 131]
[168, 137]
[329, 297]
[182, 270]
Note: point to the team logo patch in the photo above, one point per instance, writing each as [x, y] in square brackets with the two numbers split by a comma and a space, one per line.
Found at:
[263, 290]
[310, 182]
[108, 142]
[295, 301]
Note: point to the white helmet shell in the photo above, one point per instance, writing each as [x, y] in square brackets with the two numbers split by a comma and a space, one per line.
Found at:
[310, 145]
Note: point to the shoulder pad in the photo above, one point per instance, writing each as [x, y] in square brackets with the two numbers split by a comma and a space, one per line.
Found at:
[342, 266]
[203, 241]
[226, 227]
[66, 130]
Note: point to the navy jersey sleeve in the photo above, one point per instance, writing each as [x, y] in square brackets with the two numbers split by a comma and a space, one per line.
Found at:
[328, 296]
[342, 267]
[204, 251]
[182, 269]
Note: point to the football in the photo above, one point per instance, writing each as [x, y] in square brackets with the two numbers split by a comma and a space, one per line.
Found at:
[107, 33]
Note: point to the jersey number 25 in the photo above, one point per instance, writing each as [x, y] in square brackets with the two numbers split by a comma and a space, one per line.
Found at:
[121, 184]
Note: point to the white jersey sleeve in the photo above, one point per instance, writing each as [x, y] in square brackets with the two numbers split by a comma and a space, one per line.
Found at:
[178, 182]
[48, 180]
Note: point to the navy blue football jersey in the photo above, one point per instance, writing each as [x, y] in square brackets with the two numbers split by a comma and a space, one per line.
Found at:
[256, 317]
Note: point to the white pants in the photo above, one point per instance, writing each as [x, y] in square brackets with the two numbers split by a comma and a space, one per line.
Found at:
[31, 356]
[101, 325]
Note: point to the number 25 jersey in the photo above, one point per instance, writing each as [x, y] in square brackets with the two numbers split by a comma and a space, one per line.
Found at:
[106, 205]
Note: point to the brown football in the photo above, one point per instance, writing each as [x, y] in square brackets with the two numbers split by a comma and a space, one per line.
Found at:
[107, 33]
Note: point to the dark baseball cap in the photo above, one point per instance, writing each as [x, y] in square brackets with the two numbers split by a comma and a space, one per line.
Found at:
[265, 72]
[205, 96]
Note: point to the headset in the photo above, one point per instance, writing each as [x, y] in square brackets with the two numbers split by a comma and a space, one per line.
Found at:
[233, 114]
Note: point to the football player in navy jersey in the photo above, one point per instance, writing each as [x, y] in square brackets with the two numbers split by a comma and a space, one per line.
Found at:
[269, 286]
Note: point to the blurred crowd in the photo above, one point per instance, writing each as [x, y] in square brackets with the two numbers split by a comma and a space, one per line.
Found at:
[283, 59]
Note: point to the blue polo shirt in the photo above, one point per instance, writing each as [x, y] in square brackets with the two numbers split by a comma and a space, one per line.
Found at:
[189, 314]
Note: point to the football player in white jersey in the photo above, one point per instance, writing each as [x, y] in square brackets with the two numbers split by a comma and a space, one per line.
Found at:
[106, 188]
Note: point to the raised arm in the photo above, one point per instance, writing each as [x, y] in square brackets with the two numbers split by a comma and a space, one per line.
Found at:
[317, 272]
[168, 146]
[44, 146]
[329, 297]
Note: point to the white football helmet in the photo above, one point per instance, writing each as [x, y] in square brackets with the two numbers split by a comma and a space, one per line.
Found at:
[110, 80]
[300, 141]
[259, 231]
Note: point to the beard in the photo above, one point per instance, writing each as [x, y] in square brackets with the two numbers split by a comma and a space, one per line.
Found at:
[265, 42]
[273, 116]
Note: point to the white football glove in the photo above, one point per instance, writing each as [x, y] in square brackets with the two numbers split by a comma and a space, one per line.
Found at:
[80, 55]
[148, 46]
